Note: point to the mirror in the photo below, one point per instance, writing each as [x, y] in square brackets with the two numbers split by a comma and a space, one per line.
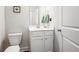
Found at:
[37, 13]
[34, 15]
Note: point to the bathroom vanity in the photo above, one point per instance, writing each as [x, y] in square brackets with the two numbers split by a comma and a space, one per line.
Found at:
[41, 39]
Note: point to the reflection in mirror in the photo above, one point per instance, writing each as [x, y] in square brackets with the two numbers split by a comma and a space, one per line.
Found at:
[34, 15]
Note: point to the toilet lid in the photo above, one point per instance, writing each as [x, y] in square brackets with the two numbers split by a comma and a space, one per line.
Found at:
[13, 49]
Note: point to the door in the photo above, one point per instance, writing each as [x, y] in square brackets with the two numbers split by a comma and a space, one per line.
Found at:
[67, 29]
[70, 28]
[37, 44]
[48, 43]
[58, 35]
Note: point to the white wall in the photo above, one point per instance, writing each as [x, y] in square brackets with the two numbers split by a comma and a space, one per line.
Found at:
[57, 24]
[54, 13]
[44, 10]
[18, 22]
[2, 27]
[34, 13]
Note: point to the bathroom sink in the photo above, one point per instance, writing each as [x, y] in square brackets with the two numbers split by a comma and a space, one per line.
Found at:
[35, 28]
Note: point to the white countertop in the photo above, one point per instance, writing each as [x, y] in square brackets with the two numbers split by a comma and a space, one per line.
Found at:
[35, 28]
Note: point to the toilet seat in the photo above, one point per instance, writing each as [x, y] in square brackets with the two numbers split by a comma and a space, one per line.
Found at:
[15, 48]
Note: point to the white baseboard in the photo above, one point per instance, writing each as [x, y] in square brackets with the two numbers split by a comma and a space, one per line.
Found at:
[24, 49]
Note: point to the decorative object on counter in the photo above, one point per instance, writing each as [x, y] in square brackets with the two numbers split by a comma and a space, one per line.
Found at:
[45, 20]
[38, 26]
[16, 9]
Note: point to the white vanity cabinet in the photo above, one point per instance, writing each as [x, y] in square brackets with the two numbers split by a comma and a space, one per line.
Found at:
[36, 44]
[41, 40]
[48, 44]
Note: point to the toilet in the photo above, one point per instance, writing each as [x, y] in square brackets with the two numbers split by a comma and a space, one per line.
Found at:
[14, 40]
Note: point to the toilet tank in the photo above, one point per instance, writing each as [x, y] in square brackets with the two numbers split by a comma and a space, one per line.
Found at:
[14, 38]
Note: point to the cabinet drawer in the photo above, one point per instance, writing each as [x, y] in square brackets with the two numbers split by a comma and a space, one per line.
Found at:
[37, 33]
[48, 33]
[37, 38]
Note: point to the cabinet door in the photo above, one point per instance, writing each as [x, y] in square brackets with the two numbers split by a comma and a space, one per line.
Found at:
[48, 44]
[37, 44]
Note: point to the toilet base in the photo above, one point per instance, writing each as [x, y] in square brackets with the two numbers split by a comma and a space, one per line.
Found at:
[15, 48]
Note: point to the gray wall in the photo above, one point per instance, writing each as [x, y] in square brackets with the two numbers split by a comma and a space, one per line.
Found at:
[2, 27]
[18, 22]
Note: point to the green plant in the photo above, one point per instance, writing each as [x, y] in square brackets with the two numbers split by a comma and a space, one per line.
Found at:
[42, 20]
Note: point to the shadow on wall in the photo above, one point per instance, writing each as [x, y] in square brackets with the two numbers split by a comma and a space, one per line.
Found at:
[24, 45]
[5, 44]
[56, 43]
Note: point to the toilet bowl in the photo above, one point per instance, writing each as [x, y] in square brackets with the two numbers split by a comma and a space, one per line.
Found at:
[14, 40]
[13, 49]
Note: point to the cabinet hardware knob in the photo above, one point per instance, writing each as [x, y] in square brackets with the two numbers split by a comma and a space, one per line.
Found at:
[41, 39]
[59, 30]
[45, 38]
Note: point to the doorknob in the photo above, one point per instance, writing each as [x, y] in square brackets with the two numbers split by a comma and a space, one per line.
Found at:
[59, 30]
